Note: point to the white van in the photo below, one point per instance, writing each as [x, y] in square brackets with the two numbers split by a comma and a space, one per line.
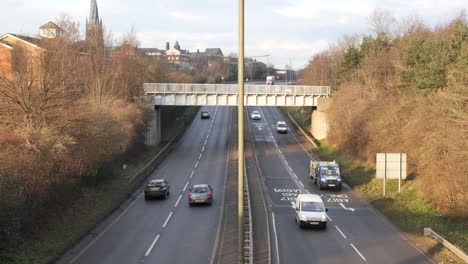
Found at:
[309, 210]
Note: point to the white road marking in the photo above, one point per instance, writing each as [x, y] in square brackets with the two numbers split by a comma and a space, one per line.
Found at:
[329, 218]
[347, 208]
[185, 187]
[191, 175]
[196, 164]
[107, 228]
[337, 228]
[178, 200]
[276, 238]
[203, 149]
[167, 220]
[359, 253]
[199, 157]
[301, 183]
[307, 191]
[152, 245]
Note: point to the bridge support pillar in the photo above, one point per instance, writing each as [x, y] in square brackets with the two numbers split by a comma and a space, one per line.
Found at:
[319, 122]
[153, 133]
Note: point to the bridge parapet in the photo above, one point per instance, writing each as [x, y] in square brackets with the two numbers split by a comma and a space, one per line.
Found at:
[226, 94]
[162, 88]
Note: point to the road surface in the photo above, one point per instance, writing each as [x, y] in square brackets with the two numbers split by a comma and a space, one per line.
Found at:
[355, 232]
[169, 231]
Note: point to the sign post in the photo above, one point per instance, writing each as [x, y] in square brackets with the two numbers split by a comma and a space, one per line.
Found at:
[391, 166]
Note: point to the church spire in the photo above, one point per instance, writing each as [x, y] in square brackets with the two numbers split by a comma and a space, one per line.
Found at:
[94, 14]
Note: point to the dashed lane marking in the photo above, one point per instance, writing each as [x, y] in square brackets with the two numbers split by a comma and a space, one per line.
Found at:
[359, 253]
[178, 200]
[152, 245]
[337, 228]
[185, 187]
[167, 219]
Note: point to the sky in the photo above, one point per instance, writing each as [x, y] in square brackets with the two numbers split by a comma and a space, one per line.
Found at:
[290, 31]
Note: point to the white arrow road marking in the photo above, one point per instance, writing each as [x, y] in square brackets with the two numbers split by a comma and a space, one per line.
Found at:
[346, 208]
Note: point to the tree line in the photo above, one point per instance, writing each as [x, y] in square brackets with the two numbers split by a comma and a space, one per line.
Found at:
[403, 88]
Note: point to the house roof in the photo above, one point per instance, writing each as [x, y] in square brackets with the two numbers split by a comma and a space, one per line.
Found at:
[152, 50]
[27, 40]
[213, 52]
[5, 44]
[50, 25]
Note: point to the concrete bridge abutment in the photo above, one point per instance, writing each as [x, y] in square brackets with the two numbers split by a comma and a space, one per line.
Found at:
[153, 133]
[319, 122]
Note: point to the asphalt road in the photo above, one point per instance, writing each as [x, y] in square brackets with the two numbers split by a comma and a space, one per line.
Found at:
[355, 232]
[169, 231]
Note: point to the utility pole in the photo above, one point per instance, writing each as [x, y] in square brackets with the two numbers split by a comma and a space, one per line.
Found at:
[240, 112]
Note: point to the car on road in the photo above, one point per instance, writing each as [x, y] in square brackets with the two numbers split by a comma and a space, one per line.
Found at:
[205, 115]
[281, 127]
[255, 115]
[200, 194]
[159, 188]
[309, 210]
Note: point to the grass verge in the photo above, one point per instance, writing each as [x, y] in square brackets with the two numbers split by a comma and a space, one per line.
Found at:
[408, 210]
[94, 205]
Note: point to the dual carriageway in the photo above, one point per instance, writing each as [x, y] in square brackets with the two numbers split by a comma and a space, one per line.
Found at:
[170, 231]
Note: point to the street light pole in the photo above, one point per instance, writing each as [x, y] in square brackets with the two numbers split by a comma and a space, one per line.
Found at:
[240, 109]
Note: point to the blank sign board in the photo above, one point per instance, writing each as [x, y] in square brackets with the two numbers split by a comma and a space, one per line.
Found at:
[391, 166]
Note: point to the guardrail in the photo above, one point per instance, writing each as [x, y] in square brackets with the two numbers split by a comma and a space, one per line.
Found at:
[248, 239]
[450, 246]
[184, 88]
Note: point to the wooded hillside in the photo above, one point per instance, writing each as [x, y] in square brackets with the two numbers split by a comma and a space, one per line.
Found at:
[404, 90]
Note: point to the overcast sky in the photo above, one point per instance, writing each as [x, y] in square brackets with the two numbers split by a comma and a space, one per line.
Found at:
[288, 30]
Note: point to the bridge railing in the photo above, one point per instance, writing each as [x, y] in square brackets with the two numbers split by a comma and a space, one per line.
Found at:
[173, 88]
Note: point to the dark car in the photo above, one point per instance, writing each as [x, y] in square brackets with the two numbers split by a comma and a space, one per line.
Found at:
[205, 115]
[200, 194]
[157, 188]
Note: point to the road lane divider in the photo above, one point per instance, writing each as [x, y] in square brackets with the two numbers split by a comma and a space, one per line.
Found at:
[152, 245]
[196, 164]
[178, 200]
[199, 157]
[167, 219]
[185, 187]
[191, 175]
[358, 252]
[339, 230]
[276, 236]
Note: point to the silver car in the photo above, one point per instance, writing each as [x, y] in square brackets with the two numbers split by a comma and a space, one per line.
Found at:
[281, 127]
[255, 115]
[200, 194]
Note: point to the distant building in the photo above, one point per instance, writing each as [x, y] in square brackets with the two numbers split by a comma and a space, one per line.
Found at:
[177, 56]
[153, 52]
[94, 30]
[50, 30]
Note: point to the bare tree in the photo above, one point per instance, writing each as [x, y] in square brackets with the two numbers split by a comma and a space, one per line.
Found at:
[382, 22]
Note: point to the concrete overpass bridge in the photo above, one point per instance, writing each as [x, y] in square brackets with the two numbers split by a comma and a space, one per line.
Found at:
[227, 94]
[161, 94]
